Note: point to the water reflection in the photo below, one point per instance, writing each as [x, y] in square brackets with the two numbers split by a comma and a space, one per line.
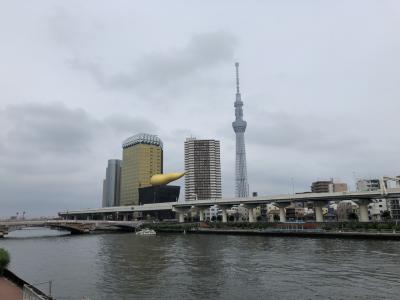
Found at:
[35, 232]
[126, 266]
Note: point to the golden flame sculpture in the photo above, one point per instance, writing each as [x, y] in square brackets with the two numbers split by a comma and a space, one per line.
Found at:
[161, 179]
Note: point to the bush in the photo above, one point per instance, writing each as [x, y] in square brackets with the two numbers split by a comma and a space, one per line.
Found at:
[4, 260]
[384, 226]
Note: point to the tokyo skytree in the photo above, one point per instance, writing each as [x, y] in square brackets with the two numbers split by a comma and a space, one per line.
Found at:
[239, 126]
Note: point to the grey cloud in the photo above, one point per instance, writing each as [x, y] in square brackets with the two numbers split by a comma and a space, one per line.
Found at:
[56, 129]
[51, 153]
[162, 69]
[303, 132]
[69, 30]
[283, 145]
[125, 124]
[50, 128]
[321, 96]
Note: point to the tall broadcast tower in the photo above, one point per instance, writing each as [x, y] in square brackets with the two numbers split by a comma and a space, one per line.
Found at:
[239, 126]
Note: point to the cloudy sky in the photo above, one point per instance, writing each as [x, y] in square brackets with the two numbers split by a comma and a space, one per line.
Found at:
[320, 83]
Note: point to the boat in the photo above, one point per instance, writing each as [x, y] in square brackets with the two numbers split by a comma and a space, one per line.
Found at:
[146, 231]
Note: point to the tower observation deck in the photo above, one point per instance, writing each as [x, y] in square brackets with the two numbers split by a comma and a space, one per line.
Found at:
[239, 126]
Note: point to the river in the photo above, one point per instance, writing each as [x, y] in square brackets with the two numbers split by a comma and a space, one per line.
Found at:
[191, 266]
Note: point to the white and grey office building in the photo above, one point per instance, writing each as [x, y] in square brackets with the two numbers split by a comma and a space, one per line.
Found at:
[112, 184]
[203, 169]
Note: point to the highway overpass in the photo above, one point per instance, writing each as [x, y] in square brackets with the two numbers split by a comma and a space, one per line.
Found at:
[281, 201]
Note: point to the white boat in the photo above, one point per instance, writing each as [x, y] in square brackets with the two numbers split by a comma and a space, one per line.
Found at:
[146, 231]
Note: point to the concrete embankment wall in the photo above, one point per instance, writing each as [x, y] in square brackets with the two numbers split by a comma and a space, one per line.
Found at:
[303, 234]
[194, 228]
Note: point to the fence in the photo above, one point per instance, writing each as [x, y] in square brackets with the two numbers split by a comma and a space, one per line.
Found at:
[31, 293]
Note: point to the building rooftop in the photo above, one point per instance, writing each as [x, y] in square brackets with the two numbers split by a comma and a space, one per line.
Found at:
[142, 138]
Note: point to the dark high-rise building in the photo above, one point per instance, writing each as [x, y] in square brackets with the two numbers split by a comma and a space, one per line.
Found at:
[112, 184]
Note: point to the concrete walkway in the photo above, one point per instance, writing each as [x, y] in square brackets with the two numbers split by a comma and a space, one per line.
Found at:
[9, 290]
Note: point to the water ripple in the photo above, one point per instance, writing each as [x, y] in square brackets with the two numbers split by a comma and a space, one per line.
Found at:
[173, 266]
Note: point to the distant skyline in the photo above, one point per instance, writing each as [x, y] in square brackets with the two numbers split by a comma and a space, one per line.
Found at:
[320, 80]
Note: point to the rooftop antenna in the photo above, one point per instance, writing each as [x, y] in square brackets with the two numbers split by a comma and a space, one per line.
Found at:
[237, 78]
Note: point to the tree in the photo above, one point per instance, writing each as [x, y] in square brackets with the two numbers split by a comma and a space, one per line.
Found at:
[385, 215]
[4, 260]
[353, 216]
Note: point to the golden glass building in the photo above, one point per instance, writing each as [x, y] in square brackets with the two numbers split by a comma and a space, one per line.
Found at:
[142, 157]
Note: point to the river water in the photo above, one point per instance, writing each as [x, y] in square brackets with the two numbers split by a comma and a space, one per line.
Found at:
[178, 266]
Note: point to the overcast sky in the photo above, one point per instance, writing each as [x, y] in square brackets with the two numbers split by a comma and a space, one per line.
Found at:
[319, 79]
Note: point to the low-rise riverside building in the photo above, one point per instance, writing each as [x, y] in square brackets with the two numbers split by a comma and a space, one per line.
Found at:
[345, 209]
[376, 209]
[328, 186]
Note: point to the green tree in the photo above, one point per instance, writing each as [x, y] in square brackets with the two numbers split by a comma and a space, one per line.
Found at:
[385, 215]
[352, 216]
[4, 260]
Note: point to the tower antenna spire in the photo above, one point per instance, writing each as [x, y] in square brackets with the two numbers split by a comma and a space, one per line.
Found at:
[237, 77]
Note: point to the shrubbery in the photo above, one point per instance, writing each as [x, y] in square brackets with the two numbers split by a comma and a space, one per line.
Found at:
[4, 260]
[357, 226]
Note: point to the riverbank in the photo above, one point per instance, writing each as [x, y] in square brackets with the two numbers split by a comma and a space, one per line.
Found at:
[289, 230]
[301, 233]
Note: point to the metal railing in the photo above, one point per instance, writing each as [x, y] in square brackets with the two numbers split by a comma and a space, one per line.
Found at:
[30, 293]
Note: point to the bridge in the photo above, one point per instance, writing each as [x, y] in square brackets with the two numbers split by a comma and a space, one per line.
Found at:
[73, 226]
[282, 201]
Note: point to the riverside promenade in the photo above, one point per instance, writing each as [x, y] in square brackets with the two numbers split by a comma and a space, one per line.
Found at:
[12, 287]
[9, 290]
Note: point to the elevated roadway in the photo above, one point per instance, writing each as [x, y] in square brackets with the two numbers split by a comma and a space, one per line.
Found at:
[281, 201]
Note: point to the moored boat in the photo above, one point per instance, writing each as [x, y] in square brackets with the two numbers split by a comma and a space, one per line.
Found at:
[146, 231]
